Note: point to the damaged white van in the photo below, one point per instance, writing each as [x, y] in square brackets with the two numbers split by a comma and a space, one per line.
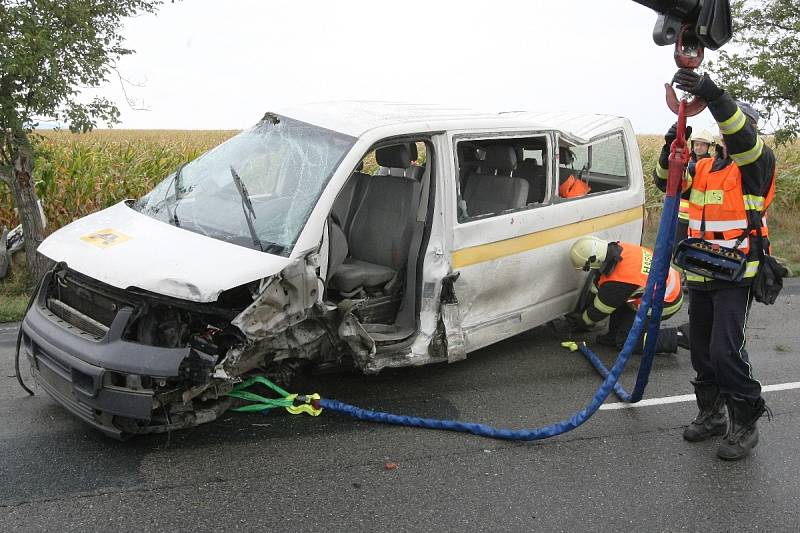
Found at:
[370, 234]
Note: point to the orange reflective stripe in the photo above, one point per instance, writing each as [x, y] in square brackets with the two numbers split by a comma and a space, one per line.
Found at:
[673, 291]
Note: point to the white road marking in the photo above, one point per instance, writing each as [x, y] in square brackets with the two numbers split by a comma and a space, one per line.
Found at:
[687, 398]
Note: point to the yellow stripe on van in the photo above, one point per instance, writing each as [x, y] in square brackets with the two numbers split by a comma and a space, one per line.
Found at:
[516, 245]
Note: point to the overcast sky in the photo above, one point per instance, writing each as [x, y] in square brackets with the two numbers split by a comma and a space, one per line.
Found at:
[203, 64]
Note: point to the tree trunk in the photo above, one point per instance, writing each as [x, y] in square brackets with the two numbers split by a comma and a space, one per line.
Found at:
[24, 191]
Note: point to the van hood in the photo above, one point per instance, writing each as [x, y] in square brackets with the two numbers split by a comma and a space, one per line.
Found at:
[124, 248]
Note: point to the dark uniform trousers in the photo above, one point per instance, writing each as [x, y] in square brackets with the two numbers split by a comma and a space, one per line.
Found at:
[620, 323]
[681, 232]
[717, 335]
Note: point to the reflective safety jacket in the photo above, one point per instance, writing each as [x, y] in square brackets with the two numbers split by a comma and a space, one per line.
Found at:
[718, 206]
[624, 284]
[661, 172]
[732, 194]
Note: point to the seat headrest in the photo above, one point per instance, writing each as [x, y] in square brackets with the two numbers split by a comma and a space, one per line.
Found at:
[565, 156]
[397, 156]
[500, 157]
[528, 163]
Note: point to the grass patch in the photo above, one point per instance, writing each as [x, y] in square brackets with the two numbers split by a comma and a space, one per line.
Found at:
[784, 227]
[15, 291]
[12, 308]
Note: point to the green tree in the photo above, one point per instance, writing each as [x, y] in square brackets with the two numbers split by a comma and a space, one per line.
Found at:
[49, 51]
[760, 65]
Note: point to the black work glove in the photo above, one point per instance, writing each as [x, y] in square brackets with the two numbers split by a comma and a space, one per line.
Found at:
[690, 81]
[672, 133]
[769, 280]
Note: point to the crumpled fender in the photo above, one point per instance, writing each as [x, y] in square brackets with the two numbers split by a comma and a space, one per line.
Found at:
[283, 302]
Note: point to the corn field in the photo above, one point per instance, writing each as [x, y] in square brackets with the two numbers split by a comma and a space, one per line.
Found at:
[78, 174]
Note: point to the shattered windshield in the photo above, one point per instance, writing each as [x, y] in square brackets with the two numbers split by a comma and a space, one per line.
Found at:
[284, 166]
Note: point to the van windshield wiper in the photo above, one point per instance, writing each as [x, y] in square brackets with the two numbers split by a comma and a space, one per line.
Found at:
[247, 207]
[177, 182]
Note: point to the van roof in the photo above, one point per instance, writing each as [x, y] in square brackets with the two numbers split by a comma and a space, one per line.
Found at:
[355, 118]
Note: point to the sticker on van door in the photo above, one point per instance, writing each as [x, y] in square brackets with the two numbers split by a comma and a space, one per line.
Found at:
[647, 262]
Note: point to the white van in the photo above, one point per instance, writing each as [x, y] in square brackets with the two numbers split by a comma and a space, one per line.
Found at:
[372, 234]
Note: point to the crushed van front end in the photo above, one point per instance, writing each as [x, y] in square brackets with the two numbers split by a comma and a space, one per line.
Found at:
[118, 359]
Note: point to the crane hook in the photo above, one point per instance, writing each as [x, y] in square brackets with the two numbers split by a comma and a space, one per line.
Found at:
[688, 53]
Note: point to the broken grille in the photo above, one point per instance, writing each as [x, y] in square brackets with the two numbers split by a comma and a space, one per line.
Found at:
[75, 318]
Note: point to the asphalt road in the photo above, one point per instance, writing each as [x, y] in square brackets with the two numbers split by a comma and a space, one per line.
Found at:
[623, 470]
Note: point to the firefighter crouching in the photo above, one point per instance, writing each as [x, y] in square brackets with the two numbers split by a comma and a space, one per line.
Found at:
[728, 198]
[620, 271]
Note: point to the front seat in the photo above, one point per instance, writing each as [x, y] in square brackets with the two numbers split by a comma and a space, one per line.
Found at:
[382, 225]
[341, 214]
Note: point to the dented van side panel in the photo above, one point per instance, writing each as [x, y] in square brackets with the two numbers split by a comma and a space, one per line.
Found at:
[514, 268]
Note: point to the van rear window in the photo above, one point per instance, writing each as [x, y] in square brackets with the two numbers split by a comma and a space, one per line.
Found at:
[592, 168]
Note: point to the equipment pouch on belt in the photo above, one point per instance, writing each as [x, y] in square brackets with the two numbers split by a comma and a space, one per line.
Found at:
[710, 260]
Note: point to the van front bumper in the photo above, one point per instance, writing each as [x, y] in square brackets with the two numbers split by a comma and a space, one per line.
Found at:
[87, 375]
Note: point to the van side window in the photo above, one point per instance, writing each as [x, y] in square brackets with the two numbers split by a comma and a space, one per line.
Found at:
[498, 176]
[596, 167]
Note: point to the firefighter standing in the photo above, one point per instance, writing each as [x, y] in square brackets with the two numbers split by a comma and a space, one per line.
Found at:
[621, 271]
[701, 144]
[729, 195]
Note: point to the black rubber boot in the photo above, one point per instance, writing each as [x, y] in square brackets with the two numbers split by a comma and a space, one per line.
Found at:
[667, 341]
[711, 420]
[742, 435]
[608, 339]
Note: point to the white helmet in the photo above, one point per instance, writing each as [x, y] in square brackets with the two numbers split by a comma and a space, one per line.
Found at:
[588, 252]
[704, 136]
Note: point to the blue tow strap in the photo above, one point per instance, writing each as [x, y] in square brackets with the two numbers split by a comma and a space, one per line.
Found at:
[653, 299]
